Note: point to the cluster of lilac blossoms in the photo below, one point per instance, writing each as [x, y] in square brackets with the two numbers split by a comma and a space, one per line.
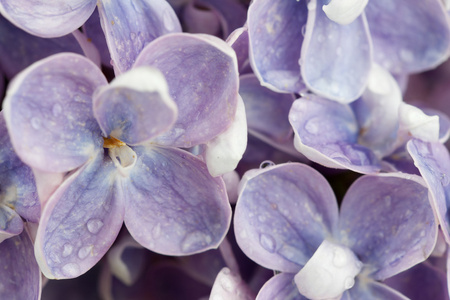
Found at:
[224, 149]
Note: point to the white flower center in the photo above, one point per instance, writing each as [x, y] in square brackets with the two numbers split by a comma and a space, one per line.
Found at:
[329, 272]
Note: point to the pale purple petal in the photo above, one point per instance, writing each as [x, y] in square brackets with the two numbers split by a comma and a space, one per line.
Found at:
[223, 153]
[326, 132]
[21, 278]
[94, 31]
[80, 221]
[229, 285]
[335, 59]
[232, 14]
[129, 26]
[433, 162]
[18, 190]
[267, 111]
[206, 98]
[238, 40]
[283, 214]
[135, 107]
[379, 104]
[372, 290]
[388, 222]
[19, 49]
[409, 36]
[275, 38]
[280, 287]
[48, 112]
[10, 223]
[47, 19]
[174, 207]
[421, 282]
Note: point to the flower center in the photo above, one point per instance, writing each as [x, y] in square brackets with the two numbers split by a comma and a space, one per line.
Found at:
[329, 272]
[121, 154]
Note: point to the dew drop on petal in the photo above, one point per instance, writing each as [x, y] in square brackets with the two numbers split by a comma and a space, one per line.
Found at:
[94, 226]
[340, 258]
[156, 232]
[71, 270]
[57, 109]
[266, 164]
[36, 123]
[194, 241]
[67, 250]
[267, 242]
[226, 284]
[312, 127]
[349, 283]
[84, 251]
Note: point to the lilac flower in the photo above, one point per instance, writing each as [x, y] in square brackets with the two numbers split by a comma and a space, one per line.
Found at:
[350, 136]
[295, 41]
[119, 143]
[287, 219]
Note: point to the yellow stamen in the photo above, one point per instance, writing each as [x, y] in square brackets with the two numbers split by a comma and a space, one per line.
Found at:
[112, 142]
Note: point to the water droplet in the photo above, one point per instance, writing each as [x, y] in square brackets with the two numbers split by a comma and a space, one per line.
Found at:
[406, 55]
[57, 109]
[349, 283]
[54, 257]
[311, 126]
[262, 218]
[156, 231]
[36, 123]
[84, 251]
[266, 164]
[444, 179]
[303, 30]
[267, 242]
[94, 225]
[194, 241]
[71, 270]
[67, 250]
[168, 20]
[78, 98]
[132, 36]
[340, 258]
[320, 38]
[226, 284]
[408, 213]
[387, 200]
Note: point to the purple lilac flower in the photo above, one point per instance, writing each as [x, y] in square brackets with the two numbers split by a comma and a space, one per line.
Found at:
[287, 219]
[118, 142]
[334, 60]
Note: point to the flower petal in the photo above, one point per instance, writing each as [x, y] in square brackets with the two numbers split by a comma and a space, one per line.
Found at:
[433, 162]
[202, 75]
[326, 132]
[21, 278]
[409, 36]
[10, 223]
[47, 19]
[335, 59]
[267, 111]
[80, 221]
[275, 38]
[19, 49]
[18, 189]
[283, 214]
[48, 112]
[229, 285]
[280, 287]
[129, 26]
[135, 107]
[371, 290]
[223, 153]
[174, 206]
[388, 222]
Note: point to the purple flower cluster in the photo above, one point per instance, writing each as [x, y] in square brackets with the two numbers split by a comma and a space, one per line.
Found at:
[224, 149]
